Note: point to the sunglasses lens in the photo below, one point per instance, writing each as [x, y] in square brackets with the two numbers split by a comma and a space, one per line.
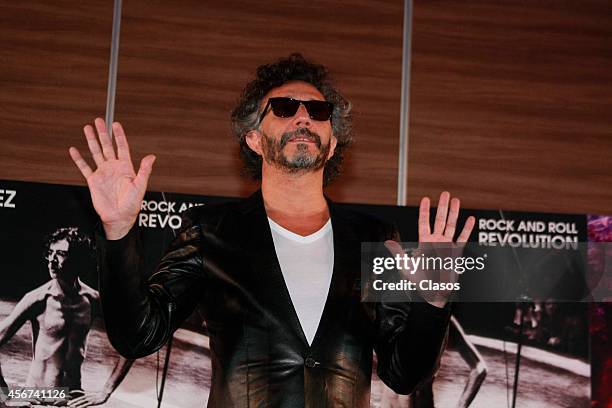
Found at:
[284, 107]
[287, 107]
[319, 110]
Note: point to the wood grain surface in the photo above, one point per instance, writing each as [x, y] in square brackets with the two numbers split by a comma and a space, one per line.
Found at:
[53, 78]
[510, 101]
[183, 65]
[511, 104]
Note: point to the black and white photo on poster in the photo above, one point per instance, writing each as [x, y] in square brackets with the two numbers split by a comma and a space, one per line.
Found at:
[478, 364]
[51, 330]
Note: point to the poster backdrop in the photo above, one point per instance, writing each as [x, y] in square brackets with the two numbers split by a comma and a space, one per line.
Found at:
[42, 224]
[600, 230]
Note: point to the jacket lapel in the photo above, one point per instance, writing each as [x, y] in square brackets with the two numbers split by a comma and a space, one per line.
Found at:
[342, 279]
[268, 282]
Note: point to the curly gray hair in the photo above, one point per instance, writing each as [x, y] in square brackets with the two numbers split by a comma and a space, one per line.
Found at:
[293, 68]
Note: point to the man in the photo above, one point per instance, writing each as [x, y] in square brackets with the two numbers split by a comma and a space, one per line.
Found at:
[277, 274]
[61, 313]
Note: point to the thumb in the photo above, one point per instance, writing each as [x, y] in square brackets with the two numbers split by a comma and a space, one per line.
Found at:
[394, 247]
[146, 166]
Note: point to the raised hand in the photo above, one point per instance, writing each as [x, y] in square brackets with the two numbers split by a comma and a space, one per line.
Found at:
[116, 189]
[445, 225]
[445, 222]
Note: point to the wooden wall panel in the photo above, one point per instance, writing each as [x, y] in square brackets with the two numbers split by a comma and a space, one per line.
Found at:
[53, 74]
[511, 104]
[183, 64]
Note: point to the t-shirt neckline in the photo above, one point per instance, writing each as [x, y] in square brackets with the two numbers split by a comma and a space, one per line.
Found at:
[300, 238]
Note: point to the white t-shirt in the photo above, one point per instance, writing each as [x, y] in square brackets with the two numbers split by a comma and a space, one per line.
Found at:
[307, 264]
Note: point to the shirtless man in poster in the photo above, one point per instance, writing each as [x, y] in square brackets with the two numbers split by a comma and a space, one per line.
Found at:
[61, 313]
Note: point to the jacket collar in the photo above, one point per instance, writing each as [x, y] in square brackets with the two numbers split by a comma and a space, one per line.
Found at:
[270, 281]
[255, 203]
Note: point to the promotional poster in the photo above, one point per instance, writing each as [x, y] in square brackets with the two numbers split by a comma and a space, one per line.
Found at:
[49, 228]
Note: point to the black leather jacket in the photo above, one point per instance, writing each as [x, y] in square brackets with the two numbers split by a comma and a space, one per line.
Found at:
[224, 261]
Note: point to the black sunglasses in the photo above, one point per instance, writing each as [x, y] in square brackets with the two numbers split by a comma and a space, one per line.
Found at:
[287, 107]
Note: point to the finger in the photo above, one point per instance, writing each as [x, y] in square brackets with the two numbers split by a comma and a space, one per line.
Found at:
[123, 149]
[394, 247]
[441, 213]
[451, 222]
[94, 147]
[77, 402]
[467, 229]
[146, 166]
[105, 140]
[80, 162]
[424, 228]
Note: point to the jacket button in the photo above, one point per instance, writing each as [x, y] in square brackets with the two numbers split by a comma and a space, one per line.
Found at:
[311, 363]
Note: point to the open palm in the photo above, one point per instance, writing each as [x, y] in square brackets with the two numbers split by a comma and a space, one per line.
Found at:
[445, 225]
[116, 189]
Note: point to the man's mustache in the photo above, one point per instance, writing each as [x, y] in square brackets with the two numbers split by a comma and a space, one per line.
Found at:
[301, 132]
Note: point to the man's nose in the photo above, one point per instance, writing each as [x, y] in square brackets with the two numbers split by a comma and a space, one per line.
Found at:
[302, 118]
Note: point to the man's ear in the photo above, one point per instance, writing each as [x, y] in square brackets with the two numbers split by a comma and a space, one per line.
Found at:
[332, 146]
[253, 139]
